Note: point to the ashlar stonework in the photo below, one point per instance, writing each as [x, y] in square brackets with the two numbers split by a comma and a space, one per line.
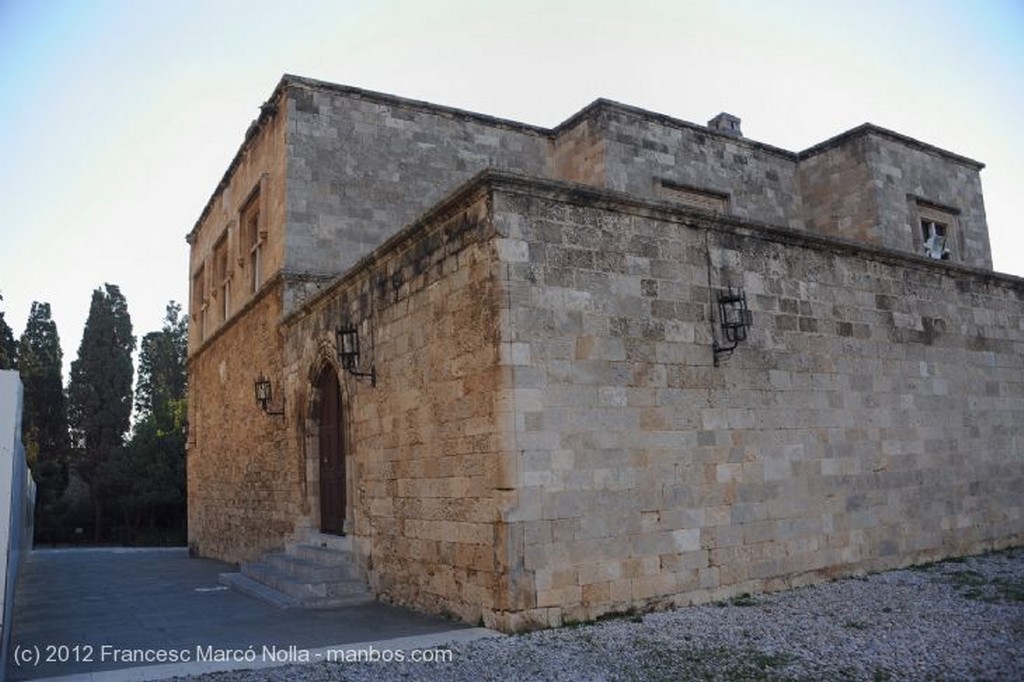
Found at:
[549, 436]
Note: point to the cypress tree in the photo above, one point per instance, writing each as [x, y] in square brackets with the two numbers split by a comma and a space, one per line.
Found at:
[162, 364]
[44, 417]
[100, 393]
[150, 471]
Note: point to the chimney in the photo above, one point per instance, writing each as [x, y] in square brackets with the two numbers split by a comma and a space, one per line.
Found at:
[727, 124]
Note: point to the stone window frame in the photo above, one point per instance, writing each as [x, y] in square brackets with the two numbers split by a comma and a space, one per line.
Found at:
[253, 234]
[933, 218]
[925, 214]
[699, 198]
[199, 300]
[222, 272]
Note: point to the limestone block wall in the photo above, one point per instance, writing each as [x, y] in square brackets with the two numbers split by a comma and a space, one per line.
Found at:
[424, 445]
[579, 147]
[243, 489]
[839, 193]
[642, 149]
[258, 165]
[874, 418]
[363, 165]
[549, 439]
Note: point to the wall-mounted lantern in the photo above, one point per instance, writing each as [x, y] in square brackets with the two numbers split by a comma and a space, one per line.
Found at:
[735, 318]
[347, 340]
[264, 395]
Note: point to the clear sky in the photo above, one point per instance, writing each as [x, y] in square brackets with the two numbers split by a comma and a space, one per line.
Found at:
[118, 118]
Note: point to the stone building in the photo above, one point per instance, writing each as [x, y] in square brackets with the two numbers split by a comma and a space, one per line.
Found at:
[623, 363]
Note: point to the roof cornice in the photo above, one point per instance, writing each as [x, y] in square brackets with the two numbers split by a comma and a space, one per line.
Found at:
[866, 129]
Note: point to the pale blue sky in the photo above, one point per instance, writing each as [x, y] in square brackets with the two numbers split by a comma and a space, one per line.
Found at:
[119, 117]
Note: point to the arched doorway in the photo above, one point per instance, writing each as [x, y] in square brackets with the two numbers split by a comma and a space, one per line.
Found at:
[332, 454]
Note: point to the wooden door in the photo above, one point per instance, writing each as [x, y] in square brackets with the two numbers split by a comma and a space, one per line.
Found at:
[332, 455]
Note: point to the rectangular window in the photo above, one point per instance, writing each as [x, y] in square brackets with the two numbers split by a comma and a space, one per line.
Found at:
[222, 276]
[933, 236]
[692, 197]
[199, 302]
[252, 240]
[938, 231]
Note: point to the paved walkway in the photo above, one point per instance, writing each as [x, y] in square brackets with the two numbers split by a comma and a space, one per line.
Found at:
[111, 614]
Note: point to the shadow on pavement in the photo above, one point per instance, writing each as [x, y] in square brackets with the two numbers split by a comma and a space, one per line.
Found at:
[88, 610]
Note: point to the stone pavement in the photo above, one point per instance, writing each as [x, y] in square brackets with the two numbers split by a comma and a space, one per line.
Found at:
[134, 614]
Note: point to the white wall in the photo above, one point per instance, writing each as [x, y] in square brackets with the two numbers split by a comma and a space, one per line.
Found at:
[16, 485]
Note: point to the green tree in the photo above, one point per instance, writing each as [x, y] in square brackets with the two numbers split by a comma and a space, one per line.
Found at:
[162, 364]
[44, 417]
[149, 473]
[100, 393]
[8, 349]
[147, 477]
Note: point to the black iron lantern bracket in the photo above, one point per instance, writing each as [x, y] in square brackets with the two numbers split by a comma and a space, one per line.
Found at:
[734, 318]
[347, 339]
[264, 396]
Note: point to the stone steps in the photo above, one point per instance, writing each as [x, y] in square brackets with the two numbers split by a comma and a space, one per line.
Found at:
[321, 573]
[311, 570]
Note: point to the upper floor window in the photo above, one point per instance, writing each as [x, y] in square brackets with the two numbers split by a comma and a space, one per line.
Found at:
[199, 301]
[222, 276]
[252, 240]
[937, 235]
[934, 235]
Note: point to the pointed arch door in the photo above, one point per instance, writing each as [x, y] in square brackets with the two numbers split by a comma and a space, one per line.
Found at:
[332, 455]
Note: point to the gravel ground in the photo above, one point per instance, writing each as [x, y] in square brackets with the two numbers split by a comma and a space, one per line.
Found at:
[957, 620]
